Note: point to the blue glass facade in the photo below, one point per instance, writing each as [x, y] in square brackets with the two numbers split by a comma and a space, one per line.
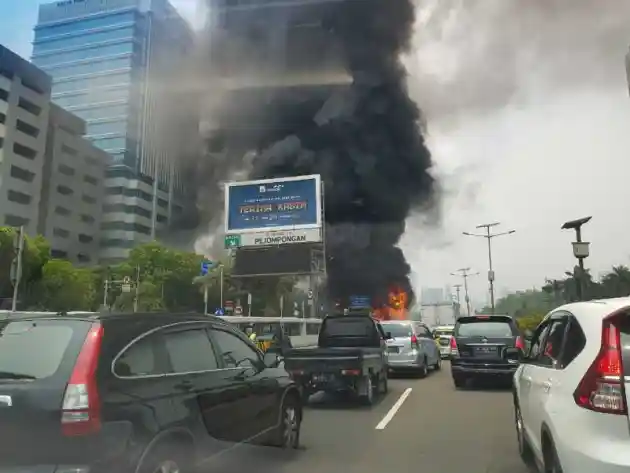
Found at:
[97, 64]
[116, 64]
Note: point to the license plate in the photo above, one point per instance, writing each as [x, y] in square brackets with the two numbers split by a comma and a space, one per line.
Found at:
[392, 349]
[486, 349]
[319, 378]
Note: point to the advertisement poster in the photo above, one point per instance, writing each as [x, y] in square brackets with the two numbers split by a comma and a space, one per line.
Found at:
[291, 203]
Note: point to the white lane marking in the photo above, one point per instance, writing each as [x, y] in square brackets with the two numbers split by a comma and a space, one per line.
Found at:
[392, 412]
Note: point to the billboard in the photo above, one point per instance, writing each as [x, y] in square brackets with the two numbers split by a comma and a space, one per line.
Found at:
[278, 260]
[269, 205]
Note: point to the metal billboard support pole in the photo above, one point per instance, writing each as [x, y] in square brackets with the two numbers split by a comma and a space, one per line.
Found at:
[18, 269]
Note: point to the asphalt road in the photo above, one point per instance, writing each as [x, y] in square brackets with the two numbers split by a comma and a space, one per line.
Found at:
[437, 429]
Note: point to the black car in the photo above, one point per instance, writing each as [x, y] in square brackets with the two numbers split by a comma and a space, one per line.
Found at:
[135, 393]
[485, 346]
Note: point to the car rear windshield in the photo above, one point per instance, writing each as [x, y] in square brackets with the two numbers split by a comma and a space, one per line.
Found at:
[350, 327]
[443, 332]
[32, 349]
[398, 330]
[486, 327]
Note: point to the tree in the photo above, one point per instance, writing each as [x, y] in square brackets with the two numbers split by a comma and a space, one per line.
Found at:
[35, 255]
[65, 288]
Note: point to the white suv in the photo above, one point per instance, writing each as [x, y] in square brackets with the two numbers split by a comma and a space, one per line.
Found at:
[571, 392]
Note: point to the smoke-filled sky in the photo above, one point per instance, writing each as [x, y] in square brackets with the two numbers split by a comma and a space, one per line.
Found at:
[528, 116]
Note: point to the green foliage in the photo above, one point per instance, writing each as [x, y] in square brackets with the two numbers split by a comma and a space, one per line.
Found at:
[65, 288]
[530, 306]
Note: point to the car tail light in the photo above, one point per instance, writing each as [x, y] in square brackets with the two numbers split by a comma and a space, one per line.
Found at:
[520, 344]
[601, 389]
[81, 410]
[414, 340]
[351, 372]
[453, 345]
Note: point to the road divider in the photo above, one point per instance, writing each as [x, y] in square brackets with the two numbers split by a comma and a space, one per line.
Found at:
[392, 412]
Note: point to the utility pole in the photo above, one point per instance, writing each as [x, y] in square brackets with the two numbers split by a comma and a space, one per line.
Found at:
[580, 251]
[457, 299]
[16, 266]
[137, 296]
[465, 274]
[488, 235]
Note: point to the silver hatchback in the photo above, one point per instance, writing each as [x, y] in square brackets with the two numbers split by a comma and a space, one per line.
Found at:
[410, 347]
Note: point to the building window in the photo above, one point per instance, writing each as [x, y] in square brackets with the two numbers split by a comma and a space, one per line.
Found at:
[85, 238]
[62, 211]
[88, 199]
[129, 193]
[61, 233]
[24, 151]
[3, 118]
[32, 87]
[64, 190]
[6, 73]
[161, 218]
[22, 174]
[19, 197]
[127, 227]
[128, 209]
[27, 129]
[29, 106]
[66, 170]
[1, 142]
[87, 219]
[4, 95]
[83, 258]
[117, 243]
[15, 221]
[59, 254]
[68, 150]
[90, 180]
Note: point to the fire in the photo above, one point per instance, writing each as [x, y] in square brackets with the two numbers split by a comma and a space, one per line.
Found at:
[396, 306]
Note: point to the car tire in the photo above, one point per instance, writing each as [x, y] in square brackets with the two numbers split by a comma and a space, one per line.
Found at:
[551, 460]
[459, 382]
[438, 364]
[383, 383]
[172, 459]
[288, 432]
[424, 369]
[524, 448]
[368, 397]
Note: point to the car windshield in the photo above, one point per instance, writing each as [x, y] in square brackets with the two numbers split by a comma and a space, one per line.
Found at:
[32, 349]
[398, 330]
[351, 327]
[485, 329]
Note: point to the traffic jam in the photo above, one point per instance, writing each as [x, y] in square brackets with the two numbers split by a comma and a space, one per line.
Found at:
[160, 392]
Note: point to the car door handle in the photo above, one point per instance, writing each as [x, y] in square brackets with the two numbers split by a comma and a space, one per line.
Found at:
[546, 386]
[185, 386]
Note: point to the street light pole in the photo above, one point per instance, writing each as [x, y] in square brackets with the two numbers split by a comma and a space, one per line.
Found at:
[488, 235]
[580, 250]
[457, 298]
[465, 274]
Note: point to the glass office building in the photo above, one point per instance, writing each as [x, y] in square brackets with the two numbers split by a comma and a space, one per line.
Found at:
[115, 63]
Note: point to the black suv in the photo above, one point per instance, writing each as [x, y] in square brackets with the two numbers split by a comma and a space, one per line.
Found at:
[484, 346]
[135, 393]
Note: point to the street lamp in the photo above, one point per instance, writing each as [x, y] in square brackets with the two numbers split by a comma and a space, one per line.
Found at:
[465, 274]
[580, 249]
[489, 236]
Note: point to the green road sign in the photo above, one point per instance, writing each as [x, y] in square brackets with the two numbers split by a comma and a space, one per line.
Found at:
[232, 241]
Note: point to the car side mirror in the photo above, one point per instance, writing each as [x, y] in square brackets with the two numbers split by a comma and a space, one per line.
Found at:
[272, 359]
[388, 335]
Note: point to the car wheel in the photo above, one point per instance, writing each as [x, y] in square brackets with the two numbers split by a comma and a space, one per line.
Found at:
[551, 460]
[383, 382]
[424, 369]
[288, 433]
[438, 364]
[167, 460]
[524, 449]
[459, 382]
[368, 397]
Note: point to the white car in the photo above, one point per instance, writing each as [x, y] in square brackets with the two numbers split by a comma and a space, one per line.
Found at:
[443, 335]
[572, 391]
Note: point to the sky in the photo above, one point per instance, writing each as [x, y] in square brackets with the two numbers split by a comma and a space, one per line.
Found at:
[528, 122]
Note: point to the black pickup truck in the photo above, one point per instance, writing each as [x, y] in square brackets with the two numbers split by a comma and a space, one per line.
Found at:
[350, 356]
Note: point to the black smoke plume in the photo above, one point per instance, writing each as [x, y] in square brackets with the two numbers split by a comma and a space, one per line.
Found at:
[366, 142]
